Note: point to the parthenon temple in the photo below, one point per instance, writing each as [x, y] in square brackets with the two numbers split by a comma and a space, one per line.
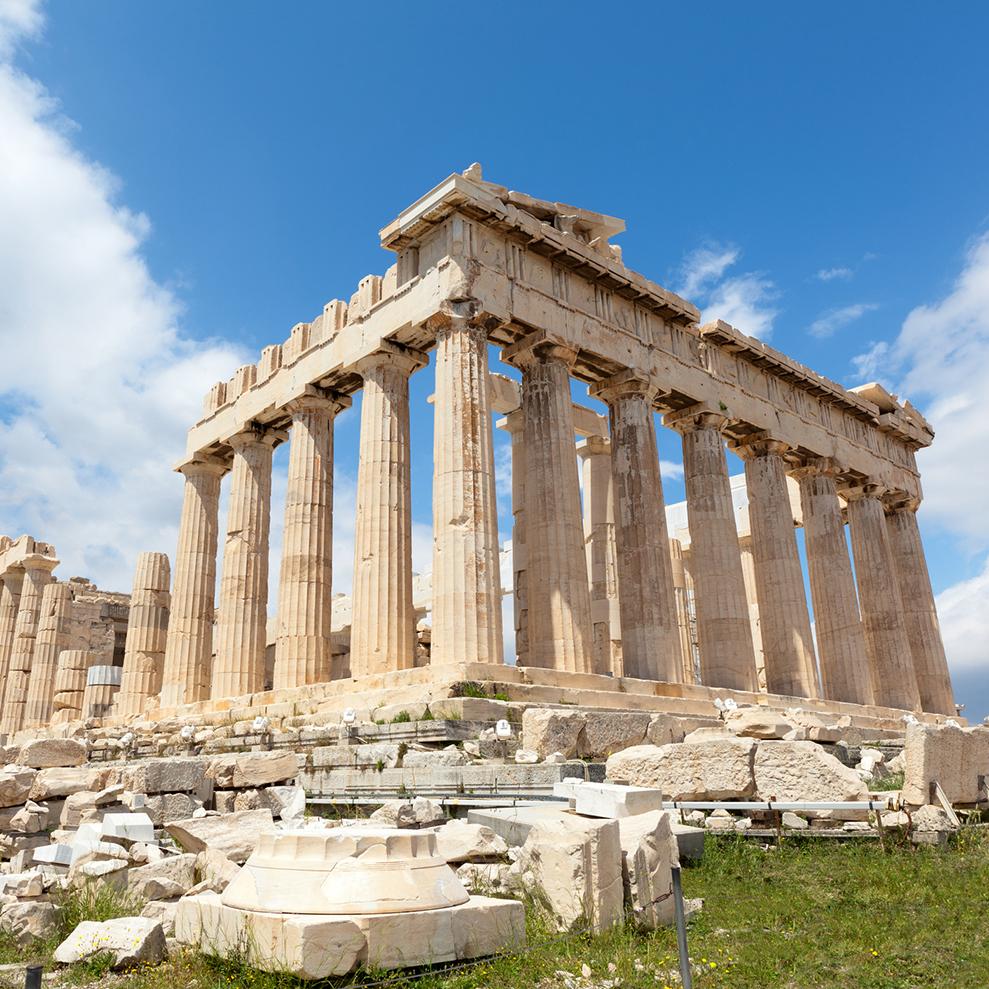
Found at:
[611, 598]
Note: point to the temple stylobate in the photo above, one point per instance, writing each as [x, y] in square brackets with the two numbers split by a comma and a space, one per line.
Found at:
[601, 588]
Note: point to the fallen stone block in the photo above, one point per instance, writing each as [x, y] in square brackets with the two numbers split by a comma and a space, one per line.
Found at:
[30, 819]
[15, 785]
[216, 870]
[449, 756]
[954, 757]
[546, 730]
[29, 921]
[756, 722]
[133, 827]
[611, 800]
[132, 940]
[179, 774]
[164, 807]
[176, 873]
[607, 732]
[796, 771]
[575, 863]
[649, 854]
[47, 753]
[418, 813]
[715, 769]
[235, 835]
[460, 841]
[253, 769]
[285, 802]
[164, 912]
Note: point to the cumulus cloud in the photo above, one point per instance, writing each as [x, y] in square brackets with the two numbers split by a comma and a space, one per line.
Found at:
[745, 300]
[962, 609]
[99, 382]
[830, 274]
[870, 363]
[827, 324]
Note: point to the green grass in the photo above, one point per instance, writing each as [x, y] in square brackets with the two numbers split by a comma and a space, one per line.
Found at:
[811, 914]
[892, 782]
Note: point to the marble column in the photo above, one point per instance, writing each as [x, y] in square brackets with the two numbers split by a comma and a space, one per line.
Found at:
[70, 683]
[514, 424]
[383, 636]
[559, 612]
[724, 629]
[647, 603]
[840, 636]
[894, 683]
[784, 620]
[37, 576]
[919, 613]
[51, 638]
[752, 600]
[189, 647]
[683, 588]
[147, 633]
[10, 597]
[241, 629]
[466, 566]
[602, 552]
[303, 647]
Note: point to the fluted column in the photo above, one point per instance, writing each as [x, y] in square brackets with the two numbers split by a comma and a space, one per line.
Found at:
[241, 631]
[382, 636]
[787, 644]
[514, 424]
[724, 629]
[559, 612]
[10, 597]
[37, 576]
[683, 589]
[647, 602]
[602, 551]
[147, 633]
[840, 636]
[51, 638]
[189, 647]
[894, 683]
[70, 683]
[919, 613]
[466, 566]
[751, 598]
[303, 648]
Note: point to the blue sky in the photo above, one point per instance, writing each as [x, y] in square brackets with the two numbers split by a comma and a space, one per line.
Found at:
[185, 181]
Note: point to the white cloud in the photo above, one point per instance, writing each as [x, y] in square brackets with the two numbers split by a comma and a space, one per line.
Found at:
[703, 266]
[829, 323]
[830, 274]
[744, 300]
[671, 469]
[98, 383]
[963, 610]
[871, 362]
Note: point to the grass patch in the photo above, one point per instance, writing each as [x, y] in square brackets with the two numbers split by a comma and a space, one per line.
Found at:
[811, 914]
[402, 718]
[892, 782]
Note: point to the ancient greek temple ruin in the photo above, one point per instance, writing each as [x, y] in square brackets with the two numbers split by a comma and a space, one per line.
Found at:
[607, 599]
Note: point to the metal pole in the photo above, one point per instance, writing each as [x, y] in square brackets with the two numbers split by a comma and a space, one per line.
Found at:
[681, 922]
[32, 977]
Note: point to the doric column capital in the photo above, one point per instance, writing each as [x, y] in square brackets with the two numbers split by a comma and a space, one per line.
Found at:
[318, 400]
[760, 444]
[39, 564]
[699, 416]
[900, 501]
[625, 384]
[256, 435]
[459, 316]
[204, 466]
[391, 356]
[809, 466]
[539, 348]
[864, 489]
[594, 446]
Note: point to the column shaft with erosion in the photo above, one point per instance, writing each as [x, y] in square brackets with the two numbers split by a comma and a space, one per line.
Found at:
[724, 630]
[602, 553]
[919, 613]
[894, 683]
[147, 634]
[514, 424]
[10, 597]
[840, 636]
[51, 638]
[303, 652]
[559, 612]
[466, 568]
[683, 588]
[647, 602]
[37, 576]
[189, 647]
[382, 636]
[784, 620]
[241, 631]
